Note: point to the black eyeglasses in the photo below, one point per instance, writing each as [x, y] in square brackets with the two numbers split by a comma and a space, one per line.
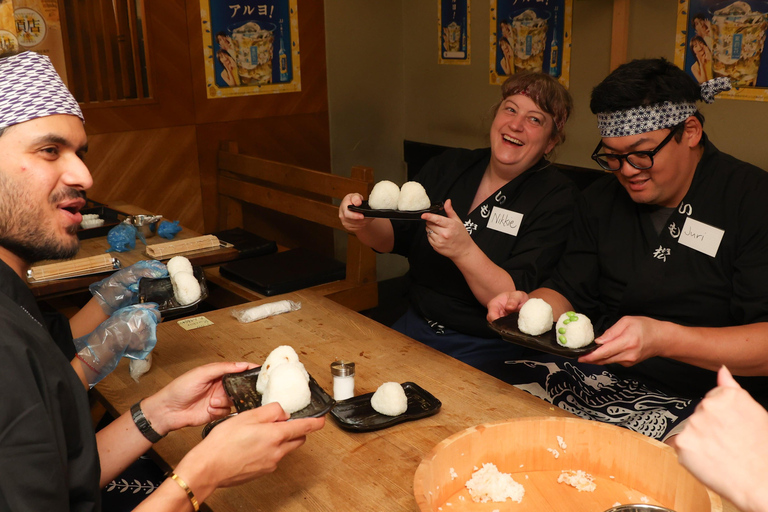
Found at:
[638, 159]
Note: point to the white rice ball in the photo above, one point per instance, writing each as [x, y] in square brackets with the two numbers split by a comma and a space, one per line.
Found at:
[179, 264]
[281, 355]
[574, 330]
[413, 197]
[535, 317]
[186, 288]
[390, 399]
[288, 386]
[384, 196]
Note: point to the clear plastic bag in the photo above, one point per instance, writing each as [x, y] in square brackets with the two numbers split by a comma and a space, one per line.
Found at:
[265, 310]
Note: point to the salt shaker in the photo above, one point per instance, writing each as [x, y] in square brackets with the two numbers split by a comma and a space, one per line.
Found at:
[343, 373]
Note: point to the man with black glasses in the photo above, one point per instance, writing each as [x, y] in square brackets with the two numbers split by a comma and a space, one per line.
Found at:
[669, 259]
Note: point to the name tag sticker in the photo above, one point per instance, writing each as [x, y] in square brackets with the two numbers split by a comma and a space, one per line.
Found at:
[194, 323]
[505, 221]
[701, 237]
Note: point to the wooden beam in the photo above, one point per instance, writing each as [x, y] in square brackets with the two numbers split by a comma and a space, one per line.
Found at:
[619, 33]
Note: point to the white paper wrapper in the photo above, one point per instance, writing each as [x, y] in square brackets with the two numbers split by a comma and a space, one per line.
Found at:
[265, 310]
[138, 367]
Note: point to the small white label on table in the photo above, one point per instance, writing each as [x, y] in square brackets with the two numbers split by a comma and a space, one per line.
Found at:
[195, 322]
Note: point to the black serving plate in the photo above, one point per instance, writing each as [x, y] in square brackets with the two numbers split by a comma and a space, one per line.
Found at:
[160, 291]
[507, 328]
[357, 415]
[394, 214]
[111, 219]
[241, 388]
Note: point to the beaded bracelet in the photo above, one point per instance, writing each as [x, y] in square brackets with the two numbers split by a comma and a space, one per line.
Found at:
[185, 487]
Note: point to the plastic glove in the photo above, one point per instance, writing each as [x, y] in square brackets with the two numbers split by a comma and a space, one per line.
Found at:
[122, 288]
[168, 229]
[129, 332]
[122, 238]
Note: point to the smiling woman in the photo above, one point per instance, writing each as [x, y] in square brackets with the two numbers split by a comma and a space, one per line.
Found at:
[507, 214]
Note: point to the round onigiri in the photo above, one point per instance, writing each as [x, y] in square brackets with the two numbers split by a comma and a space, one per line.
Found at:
[178, 264]
[384, 196]
[535, 317]
[390, 399]
[186, 288]
[413, 197]
[281, 355]
[289, 387]
[574, 330]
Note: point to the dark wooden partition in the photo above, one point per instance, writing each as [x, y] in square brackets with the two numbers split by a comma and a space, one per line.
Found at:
[160, 153]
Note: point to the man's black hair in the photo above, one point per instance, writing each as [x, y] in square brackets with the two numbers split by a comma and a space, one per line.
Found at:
[644, 82]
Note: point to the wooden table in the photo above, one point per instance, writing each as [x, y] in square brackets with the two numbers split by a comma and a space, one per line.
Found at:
[335, 470]
[99, 245]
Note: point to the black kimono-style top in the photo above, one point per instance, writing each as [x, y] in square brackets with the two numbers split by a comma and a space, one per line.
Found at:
[708, 267]
[522, 227]
[48, 455]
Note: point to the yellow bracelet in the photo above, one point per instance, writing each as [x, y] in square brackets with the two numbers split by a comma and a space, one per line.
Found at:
[187, 490]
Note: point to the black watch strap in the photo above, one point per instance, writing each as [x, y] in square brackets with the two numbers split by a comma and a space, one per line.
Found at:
[143, 424]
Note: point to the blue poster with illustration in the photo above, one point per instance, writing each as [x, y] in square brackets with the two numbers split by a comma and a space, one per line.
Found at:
[725, 38]
[533, 35]
[453, 33]
[251, 46]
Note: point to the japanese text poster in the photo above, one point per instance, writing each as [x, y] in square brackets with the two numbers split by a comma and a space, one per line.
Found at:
[725, 38]
[250, 47]
[38, 27]
[530, 35]
[453, 31]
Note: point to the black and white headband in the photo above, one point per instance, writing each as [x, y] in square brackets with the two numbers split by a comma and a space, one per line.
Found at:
[648, 118]
[30, 88]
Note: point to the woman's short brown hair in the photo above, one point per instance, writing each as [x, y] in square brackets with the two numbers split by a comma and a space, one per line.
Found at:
[548, 94]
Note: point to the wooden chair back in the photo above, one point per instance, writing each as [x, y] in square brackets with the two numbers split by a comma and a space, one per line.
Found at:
[308, 195]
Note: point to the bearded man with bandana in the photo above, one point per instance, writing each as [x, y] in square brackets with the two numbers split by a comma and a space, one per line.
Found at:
[50, 458]
[668, 257]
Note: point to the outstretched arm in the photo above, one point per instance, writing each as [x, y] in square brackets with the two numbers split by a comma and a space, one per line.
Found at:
[743, 348]
[724, 445]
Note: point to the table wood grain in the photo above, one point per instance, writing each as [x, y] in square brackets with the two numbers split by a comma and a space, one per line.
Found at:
[335, 470]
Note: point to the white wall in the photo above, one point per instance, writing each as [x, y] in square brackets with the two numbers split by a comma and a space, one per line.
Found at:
[385, 85]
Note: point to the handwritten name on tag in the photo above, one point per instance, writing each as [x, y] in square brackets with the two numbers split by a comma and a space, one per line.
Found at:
[505, 221]
[195, 322]
[701, 237]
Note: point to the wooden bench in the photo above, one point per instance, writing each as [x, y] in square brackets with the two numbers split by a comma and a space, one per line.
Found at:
[302, 193]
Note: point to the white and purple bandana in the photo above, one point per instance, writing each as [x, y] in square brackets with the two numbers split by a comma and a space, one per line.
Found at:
[648, 118]
[30, 88]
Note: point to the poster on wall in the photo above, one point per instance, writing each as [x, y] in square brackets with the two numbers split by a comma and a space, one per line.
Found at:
[9, 43]
[38, 28]
[250, 47]
[530, 35]
[725, 38]
[453, 31]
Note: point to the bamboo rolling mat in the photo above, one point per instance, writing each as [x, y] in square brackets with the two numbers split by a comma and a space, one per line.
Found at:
[73, 268]
[164, 250]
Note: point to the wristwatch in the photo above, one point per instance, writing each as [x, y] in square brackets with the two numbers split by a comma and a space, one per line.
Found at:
[143, 424]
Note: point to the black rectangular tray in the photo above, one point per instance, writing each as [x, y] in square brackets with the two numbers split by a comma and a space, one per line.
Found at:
[111, 219]
[357, 415]
[367, 211]
[507, 328]
[241, 389]
[160, 291]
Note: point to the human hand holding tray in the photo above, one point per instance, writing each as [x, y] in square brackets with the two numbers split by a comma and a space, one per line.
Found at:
[507, 328]
[367, 211]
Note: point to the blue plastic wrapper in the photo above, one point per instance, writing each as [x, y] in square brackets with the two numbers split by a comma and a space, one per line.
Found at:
[168, 229]
[122, 238]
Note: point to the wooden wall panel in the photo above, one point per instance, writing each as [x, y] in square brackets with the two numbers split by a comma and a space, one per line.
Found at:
[154, 169]
[172, 103]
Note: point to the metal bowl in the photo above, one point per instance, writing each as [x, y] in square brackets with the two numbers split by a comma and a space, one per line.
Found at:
[145, 224]
[639, 507]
